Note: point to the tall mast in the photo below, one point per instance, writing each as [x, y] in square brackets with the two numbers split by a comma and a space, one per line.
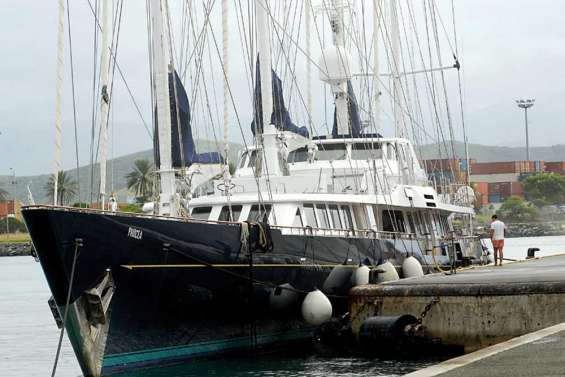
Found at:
[225, 57]
[396, 82]
[59, 91]
[105, 94]
[162, 101]
[341, 96]
[308, 21]
[270, 143]
[336, 65]
[376, 86]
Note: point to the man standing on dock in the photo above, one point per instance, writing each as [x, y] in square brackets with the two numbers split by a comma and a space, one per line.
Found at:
[497, 229]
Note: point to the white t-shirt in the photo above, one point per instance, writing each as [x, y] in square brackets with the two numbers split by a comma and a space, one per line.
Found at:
[498, 230]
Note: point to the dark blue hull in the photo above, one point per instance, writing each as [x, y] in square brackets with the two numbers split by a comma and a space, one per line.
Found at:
[184, 289]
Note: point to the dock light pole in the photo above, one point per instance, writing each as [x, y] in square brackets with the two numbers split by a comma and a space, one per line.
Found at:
[526, 104]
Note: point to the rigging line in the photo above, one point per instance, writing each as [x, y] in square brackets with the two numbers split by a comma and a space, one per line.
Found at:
[94, 102]
[417, 109]
[216, 103]
[461, 106]
[439, 129]
[200, 64]
[244, 47]
[74, 98]
[122, 76]
[450, 125]
[436, 11]
[428, 85]
[236, 113]
[113, 52]
[78, 243]
[200, 35]
[436, 37]
[386, 38]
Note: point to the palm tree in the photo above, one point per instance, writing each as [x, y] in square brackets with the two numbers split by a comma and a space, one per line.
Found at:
[66, 187]
[140, 179]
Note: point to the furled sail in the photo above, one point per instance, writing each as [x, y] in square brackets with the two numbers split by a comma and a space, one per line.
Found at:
[280, 116]
[183, 150]
[354, 120]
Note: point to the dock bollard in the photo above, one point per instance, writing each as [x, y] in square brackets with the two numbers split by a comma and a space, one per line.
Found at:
[532, 252]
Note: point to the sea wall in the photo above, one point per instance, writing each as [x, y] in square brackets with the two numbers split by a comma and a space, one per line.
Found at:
[553, 228]
[15, 249]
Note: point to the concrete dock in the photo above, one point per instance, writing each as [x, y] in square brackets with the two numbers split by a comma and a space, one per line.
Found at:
[541, 353]
[474, 308]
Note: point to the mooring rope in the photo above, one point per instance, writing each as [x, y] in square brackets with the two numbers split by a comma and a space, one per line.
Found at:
[78, 243]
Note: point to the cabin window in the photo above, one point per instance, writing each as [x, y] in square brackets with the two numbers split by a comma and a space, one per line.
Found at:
[347, 218]
[253, 158]
[391, 151]
[310, 215]
[366, 151]
[259, 213]
[334, 214]
[331, 152]
[423, 223]
[393, 221]
[411, 222]
[322, 215]
[201, 213]
[298, 155]
[225, 213]
[242, 160]
[361, 216]
[297, 222]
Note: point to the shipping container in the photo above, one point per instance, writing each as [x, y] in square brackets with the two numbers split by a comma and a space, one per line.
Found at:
[557, 167]
[517, 189]
[507, 167]
[494, 198]
[481, 187]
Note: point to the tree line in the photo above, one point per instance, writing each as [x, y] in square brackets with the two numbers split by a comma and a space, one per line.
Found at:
[545, 200]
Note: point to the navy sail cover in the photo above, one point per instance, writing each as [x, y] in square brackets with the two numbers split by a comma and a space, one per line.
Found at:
[183, 150]
[280, 116]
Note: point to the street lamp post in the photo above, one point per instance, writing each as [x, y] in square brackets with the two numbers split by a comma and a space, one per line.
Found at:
[526, 104]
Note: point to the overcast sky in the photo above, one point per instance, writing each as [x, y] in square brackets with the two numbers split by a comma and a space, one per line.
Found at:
[509, 49]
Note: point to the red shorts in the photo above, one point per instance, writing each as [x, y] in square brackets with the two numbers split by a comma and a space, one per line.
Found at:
[498, 244]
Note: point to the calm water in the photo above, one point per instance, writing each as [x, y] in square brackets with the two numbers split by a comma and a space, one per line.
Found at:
[28, 334]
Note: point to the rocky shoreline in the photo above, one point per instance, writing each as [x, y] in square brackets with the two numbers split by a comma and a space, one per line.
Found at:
[15, 249]
[556, 228]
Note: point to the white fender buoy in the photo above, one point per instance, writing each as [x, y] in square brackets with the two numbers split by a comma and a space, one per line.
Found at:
[339, 278]
[411, 267]
[282, 297]
[388, 273]
[361, 275]
[148, 207]
[316, 308]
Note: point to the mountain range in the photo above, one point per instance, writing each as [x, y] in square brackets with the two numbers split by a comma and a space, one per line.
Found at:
[120, 166]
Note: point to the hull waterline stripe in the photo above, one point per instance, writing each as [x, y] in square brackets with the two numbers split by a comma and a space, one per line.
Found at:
[131, 360]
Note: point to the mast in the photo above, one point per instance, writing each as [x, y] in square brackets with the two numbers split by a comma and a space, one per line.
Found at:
[59, 91]
[308, 17]
[105, 95]
[376, 86]
[340, 90]
[336, 62]
[225, 57]
[270, 143]
[396, 82]
[162, 102]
